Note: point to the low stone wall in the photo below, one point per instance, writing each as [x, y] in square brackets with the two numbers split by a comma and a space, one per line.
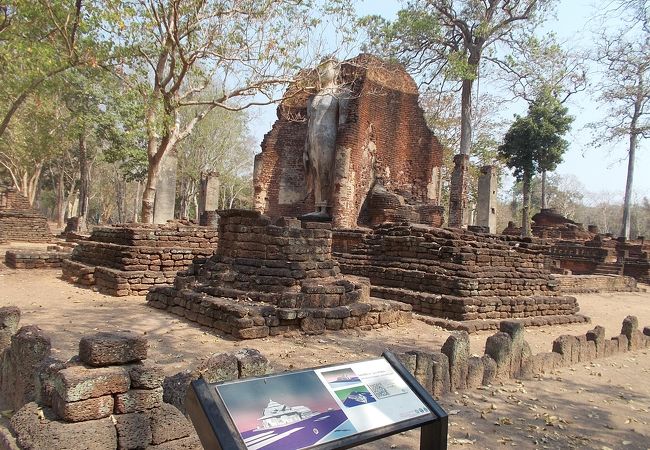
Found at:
[580, 284]
[251, 320]
[129, 259]
[108, 397]
[508, 355]
[474, 326]
[30, 259]
[480, 307]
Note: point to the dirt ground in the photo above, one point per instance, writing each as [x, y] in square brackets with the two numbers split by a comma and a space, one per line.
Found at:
[601, 405]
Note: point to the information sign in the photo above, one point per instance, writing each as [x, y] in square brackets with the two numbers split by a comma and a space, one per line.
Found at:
[327, 407]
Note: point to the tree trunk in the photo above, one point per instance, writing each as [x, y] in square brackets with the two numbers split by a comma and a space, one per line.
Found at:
[525, 210]
[149, 193]
[466, 117]
[84, 177]
[60, 198]
[627, 202]
[543, 189]
[120, 192]
[136, 206]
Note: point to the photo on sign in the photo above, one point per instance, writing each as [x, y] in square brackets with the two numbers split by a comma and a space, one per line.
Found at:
[285, 412]
[355, 396]
[341, 378]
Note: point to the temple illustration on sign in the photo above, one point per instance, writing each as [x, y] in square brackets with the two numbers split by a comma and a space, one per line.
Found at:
[283, 427]
[277, 414]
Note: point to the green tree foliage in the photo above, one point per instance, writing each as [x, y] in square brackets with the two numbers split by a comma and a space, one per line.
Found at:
[180, 47]
[41, 39]
[534, 144]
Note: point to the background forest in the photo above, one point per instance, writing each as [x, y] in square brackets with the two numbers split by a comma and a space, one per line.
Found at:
[94, 92]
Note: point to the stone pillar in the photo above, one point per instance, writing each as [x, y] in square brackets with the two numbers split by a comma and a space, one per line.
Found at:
[458, 192]
[487, 199]
[209, 193]
[165, 202]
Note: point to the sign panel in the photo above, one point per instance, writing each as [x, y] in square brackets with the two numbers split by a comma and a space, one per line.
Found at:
[299, 410]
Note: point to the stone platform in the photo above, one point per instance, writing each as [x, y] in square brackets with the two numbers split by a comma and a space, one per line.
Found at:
[267, 279]
[452, 274]
[129, 259]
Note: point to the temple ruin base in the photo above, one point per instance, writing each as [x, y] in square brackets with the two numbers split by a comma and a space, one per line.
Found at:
[267, 279]
[130, 259]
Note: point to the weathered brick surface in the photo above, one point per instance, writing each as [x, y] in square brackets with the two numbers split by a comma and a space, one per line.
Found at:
[133, 431]
[83, 410]
[30, 259]
[137, 400]
[250, 362]
[9, 320]
[456, 347]
[80, 383]
[29, 348]
[146, 376]
[110, 348]
[168, 424]
[499, 348]
[38, 429]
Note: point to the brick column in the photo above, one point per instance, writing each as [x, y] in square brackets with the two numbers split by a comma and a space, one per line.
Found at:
[165, 202]
[458, 191]
[487, 199]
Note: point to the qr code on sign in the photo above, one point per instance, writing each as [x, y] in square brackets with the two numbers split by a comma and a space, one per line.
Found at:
[380, 390]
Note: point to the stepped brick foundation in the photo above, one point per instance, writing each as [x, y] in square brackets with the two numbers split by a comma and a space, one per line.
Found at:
[455, 275]
[130, 259]
[267, 279]
[19, 221]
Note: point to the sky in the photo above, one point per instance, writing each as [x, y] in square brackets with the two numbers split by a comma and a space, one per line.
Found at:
[601, 170]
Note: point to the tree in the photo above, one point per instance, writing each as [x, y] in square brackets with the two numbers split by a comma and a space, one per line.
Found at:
[38, 40]
[180, 47]
[220, 144]
[534, 143]
[624, 91]
[448, 38]
[33, 141]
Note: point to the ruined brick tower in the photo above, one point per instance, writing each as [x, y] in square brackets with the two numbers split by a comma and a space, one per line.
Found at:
[386, 163]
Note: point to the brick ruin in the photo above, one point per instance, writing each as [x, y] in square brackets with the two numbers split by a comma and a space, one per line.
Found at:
[603, 255]
[549, 224]
[129, 259]
[52, 258]
[107, 397]
[266, 279]
[574, 250]
[456, 275]
[387, 162]
[19, 221]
